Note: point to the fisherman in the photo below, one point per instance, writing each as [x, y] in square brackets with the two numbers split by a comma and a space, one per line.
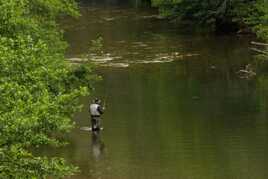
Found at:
[96, 110]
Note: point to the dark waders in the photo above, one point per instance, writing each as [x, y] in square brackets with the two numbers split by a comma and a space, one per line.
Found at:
[95, 122]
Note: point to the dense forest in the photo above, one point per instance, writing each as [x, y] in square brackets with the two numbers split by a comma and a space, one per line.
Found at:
[242, 16]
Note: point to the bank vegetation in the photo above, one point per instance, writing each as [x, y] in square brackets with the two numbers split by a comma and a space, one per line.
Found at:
[39, 90]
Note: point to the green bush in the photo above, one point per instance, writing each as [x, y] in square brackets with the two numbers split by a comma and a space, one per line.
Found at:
[219, 14]
[39, 89]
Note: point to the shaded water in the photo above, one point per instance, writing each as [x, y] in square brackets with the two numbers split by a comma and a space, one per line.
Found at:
[190, 117]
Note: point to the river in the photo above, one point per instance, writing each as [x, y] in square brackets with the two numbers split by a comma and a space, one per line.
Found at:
[176, 108]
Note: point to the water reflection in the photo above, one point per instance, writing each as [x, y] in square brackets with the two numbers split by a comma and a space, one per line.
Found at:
[97, 145]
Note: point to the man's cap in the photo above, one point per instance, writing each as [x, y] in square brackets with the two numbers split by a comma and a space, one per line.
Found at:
[96, 100]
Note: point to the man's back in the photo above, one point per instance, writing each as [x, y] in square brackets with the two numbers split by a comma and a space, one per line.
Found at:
[94, 109]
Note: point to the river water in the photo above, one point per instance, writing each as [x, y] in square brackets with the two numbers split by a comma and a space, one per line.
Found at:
[176, 108]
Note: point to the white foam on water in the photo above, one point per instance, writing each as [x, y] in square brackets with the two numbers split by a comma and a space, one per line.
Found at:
[139, 44]
[191, 55]
[109, 18]
[77, 60]
[110, 61]
[102, 59]
[117, 65]
[155, 61]
[165, 58]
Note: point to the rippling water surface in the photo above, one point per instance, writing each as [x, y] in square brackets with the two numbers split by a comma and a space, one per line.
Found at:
[176, 108]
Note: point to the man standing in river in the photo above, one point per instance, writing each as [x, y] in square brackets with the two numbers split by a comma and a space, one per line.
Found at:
[96, 110]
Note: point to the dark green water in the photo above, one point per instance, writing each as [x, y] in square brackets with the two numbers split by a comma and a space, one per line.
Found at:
[191, 117]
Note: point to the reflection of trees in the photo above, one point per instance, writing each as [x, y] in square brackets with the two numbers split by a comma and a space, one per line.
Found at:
[169, 133]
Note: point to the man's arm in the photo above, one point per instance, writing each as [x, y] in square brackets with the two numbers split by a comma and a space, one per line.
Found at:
[100, 109]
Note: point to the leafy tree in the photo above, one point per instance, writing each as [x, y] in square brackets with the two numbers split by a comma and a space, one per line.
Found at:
[39, 90]
[220, 14]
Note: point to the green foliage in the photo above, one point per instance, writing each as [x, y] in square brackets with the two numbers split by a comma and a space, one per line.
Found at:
[39, 90]
[18, 163]
[219, 14]
[36, 18]
[262, 27]
[96, 46]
